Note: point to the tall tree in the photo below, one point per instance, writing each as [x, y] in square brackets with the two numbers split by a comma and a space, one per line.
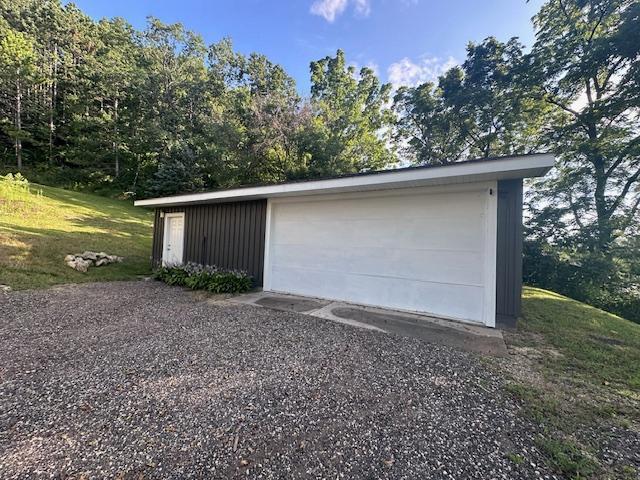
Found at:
[18, 59]
[115, 74]
[256, 134]
[426, 131]
[479, 109]
[585, 64]
[495, 114]
[352, 118]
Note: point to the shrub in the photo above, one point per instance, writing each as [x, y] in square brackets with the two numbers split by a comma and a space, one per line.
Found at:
[16, 196]
[14, 187]
[205, 277]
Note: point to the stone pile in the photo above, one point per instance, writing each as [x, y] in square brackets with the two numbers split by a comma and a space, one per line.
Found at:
[82, 261]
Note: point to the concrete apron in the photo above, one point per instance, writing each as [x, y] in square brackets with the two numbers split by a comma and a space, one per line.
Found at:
[469, 337]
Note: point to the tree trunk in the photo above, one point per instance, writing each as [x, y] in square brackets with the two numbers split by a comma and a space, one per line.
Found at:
[18, 123]
[605, 232]
[116, 147]
[53, 94]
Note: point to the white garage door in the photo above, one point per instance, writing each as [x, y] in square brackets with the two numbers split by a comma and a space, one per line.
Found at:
[424, 252]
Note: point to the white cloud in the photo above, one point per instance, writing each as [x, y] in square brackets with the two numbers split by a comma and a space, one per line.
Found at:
[363, 7]
[330, 9]
[427, 69]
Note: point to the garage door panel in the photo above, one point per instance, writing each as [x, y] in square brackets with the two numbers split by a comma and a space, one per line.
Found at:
[401, 206]
[438, 233]
[422, 252]
[456, 301]
[448, 266]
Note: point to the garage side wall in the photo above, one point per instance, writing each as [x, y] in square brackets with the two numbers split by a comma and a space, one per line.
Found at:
[509, 253]
[228, 235]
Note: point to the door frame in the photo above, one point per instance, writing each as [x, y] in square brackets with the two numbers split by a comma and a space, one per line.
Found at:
[166, 235]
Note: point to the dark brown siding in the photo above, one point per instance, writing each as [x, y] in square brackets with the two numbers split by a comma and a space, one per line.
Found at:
[228, 235]
[509, 253]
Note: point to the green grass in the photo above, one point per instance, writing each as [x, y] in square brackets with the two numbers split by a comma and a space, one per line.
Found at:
[40, 225]
[584, 379]
[596, 346]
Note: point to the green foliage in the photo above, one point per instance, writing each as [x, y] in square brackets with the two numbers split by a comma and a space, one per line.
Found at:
[350, 115]
[179, 172]
[480, 109]
[606, 282]
[199, 277]
[13, 188]
[584, 64]
[157, 111]
[432, 131]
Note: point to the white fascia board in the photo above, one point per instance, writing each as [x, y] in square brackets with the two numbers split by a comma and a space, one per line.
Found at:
[496, 169]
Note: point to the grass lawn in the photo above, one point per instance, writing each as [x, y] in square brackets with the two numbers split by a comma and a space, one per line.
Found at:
[577, 371]
[40, 225]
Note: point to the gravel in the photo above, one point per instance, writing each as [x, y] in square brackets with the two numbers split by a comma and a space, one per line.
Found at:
[141, 380]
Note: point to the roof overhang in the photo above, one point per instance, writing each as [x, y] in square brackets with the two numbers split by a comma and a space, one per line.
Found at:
[535, 165]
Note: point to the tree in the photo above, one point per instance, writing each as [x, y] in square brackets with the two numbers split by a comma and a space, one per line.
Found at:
[114, 75]
[352, 120]
[479, 109]
[585, 64]
[495, 114]
[17, 57]
[256, 134]
[426, 130]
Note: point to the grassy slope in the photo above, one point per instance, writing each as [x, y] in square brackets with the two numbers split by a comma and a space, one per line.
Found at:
[39, 228]
[597, 346]
[582, 382]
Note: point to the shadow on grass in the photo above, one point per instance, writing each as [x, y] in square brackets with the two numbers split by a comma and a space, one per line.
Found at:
[33, 257]
[122, 210]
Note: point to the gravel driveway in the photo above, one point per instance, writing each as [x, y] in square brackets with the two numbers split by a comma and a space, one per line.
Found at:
[141, 380]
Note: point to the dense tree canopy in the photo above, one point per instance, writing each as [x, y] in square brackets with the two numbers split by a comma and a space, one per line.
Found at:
[101, 105]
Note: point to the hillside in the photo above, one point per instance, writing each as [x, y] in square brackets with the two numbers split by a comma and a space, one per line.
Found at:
[577, 371]
[39, 225]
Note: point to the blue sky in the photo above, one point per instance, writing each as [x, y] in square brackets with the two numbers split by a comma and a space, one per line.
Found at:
[406, 41]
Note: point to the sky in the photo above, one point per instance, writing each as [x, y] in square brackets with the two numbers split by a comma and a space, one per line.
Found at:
[405, 41]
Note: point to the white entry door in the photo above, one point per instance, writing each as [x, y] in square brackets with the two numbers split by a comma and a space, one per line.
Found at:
[173, 239]
[427, 250]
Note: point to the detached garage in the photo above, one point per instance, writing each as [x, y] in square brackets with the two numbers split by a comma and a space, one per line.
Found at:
[441, 240]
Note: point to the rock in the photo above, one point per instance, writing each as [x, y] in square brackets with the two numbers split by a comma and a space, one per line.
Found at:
[82, 265]
[82, 261]
[5, 288]
[79, 264]
[89, 255]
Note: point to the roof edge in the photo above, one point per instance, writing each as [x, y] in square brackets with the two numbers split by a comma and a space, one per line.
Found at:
[520, 166]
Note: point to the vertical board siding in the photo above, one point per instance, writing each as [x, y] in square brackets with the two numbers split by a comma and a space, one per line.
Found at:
[509, 253]
[229, 235]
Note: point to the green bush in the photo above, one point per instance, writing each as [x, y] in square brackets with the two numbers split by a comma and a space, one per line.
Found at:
[200, 277]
